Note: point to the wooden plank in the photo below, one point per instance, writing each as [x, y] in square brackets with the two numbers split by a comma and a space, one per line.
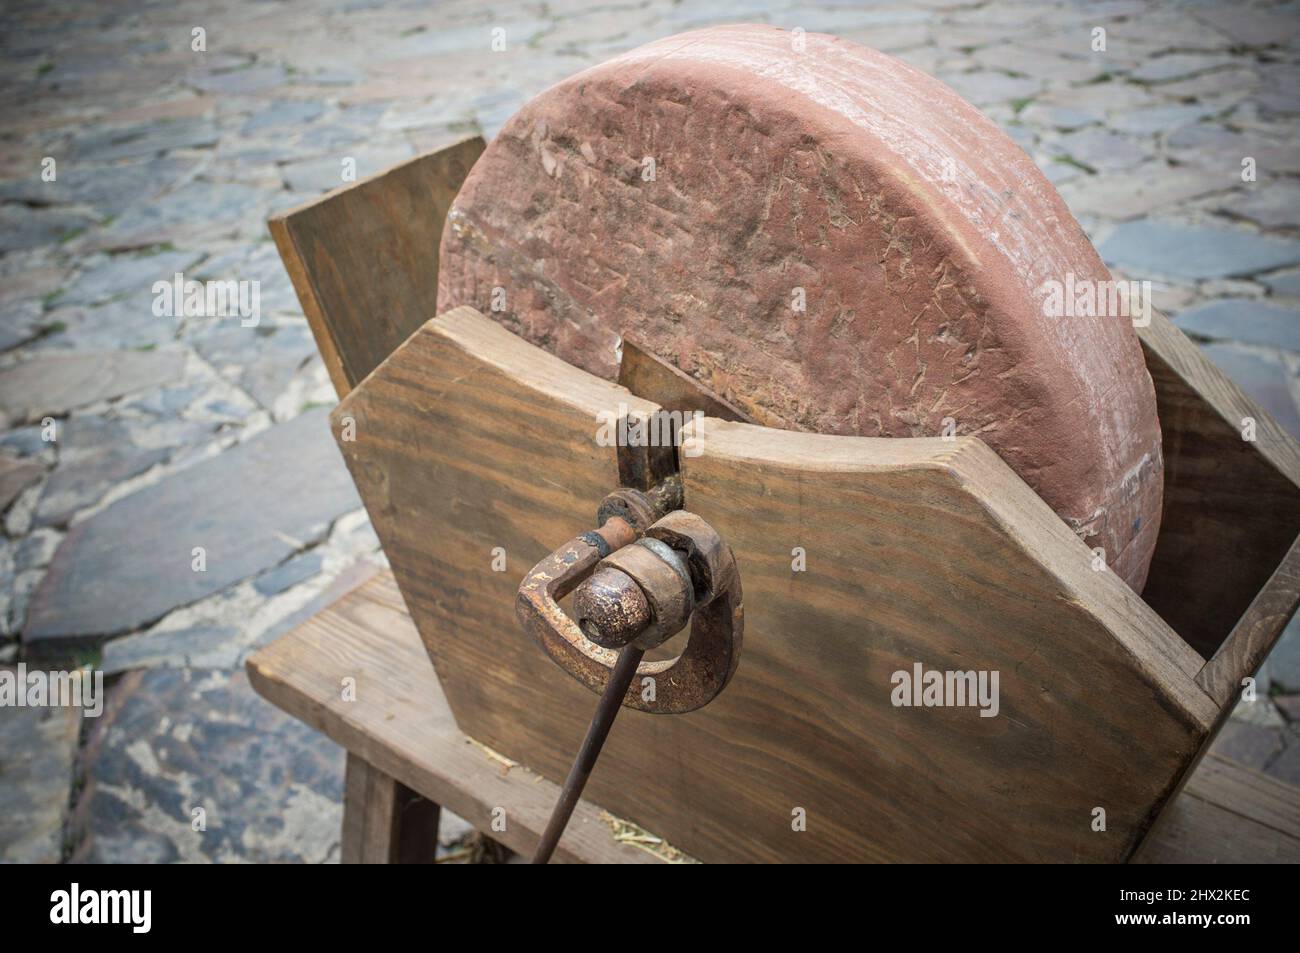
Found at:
[1254, 636]
[1226, 812]
[364, 258]
[1232, 506]
[469, 440]
[925, 560]
[384, 821]
[401, 725]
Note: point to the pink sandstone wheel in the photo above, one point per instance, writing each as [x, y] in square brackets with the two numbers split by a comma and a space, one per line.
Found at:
[829, 239]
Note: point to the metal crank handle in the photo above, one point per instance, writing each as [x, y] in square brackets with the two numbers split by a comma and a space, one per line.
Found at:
[642, 590]
[634, 592]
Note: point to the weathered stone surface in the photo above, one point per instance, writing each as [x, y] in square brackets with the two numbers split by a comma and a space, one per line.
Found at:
[1284, 660]
[1177, 66]
[249, 508]
[126, 322]
[844, 174]
[37, 750]
[51, 385]
[263, 359]
[290, 574]
[1127, 195]
[16, 475]
[110, 188]
[196, 211]
[1161, 118]
[255, 262]
[984, 87]
[20, 322]
[1286, 766]
[95, 454]
[1289, 706]
[1264, 377]
[106, 143]
[132, 275]
[1272, 204]
[1101, 149]
[23, 227]
[247, 80]
[282, 113]
[1252, 745]
[197, 646]
[1284, 283]
[1244, 319]
[1195, 251]
[325, 173]
[269, 787]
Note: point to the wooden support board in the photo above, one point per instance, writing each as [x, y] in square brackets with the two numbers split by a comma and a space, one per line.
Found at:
[469, 439]
[401, 726]
[1231, 504]
[364, 258]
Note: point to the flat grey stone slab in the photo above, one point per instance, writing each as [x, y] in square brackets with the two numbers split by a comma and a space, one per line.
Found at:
[16, 475]
[1248, 320]
[107, 143]
[263, 359]
[95, 454]
[289, 574]
[23, 227]
[131, 275]
[197, 646]
[269, 788]
[197, 211]
[1284, 660]
[283, 113]
[1252, 745]
[249, 508]
[109, 188]
[1101, 149]
[1195, 251]
[325, 173]
[38, 747]
[1286, 766]
[1178, 65]
[1271, 204]
[1127, 195]
[1263, 376]
[1284, 283]
[53, 384]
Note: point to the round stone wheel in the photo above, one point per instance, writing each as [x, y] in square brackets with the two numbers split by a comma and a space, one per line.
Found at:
[831, 240]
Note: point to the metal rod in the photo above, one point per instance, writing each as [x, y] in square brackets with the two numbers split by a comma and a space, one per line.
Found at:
[611, 700]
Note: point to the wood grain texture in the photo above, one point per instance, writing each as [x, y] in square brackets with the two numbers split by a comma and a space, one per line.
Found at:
[468, 438]
[384, 821]
[1231, 506]
[364, 258]
[1254, 635]
[401, 725]
[1226, 812]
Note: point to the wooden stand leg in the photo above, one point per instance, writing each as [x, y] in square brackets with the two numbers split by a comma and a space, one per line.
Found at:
[384, 821]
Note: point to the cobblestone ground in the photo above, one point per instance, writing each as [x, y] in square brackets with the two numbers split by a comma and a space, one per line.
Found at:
[176, 432]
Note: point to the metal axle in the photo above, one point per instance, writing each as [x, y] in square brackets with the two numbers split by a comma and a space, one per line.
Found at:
[611, 700]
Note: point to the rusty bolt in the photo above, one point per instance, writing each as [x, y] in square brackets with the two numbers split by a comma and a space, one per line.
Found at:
[611, 608]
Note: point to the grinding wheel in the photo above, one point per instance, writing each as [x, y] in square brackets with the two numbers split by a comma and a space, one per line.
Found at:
[695, 192]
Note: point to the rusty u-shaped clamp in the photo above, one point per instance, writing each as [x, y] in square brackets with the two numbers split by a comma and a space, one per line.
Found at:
[646, 581]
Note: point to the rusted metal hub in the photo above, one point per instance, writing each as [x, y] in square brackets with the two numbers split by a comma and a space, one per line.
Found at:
[648, 569]
[638, 583]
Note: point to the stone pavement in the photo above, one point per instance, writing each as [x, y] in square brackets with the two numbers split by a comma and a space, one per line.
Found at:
[137, 447]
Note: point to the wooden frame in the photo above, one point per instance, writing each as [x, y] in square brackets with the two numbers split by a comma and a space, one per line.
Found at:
[401, 727]
[468, 438]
